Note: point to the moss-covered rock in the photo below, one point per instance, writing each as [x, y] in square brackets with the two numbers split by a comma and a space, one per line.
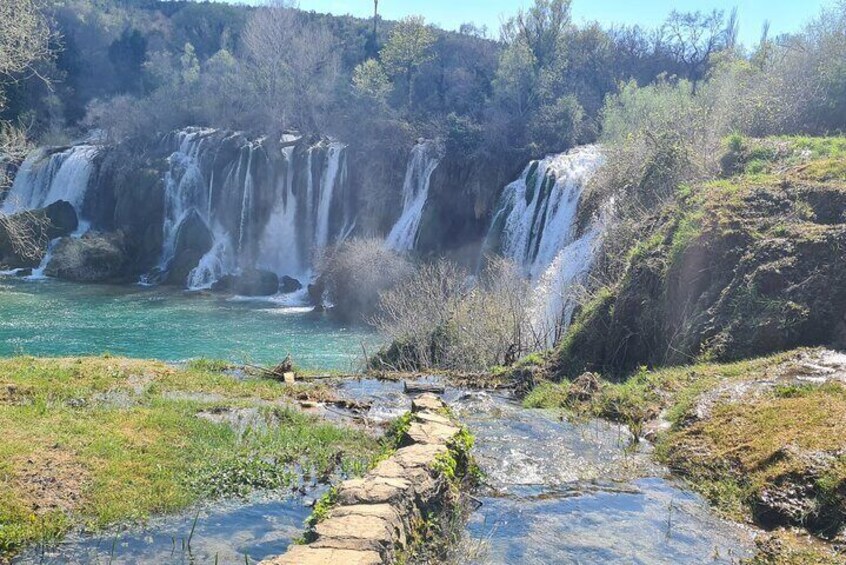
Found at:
[91, 258]
[736, 268]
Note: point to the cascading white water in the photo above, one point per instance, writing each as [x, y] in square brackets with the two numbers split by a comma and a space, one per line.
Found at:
[45, 178]
[327, 191]
[213, 265]
[185, 188]
[535, 226]
[279, 249]
[424, 160]
[286, 243]
[261, 209]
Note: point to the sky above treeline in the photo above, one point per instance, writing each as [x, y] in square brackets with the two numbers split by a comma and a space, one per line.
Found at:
[784, 15]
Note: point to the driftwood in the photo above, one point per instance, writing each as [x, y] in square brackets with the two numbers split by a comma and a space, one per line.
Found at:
[418, 388]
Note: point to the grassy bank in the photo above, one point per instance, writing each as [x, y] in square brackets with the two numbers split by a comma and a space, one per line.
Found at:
[90, 442]
[764, 440]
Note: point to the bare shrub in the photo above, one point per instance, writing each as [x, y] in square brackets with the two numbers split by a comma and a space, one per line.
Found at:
[355, 272]
[442, 318]
[24, 235]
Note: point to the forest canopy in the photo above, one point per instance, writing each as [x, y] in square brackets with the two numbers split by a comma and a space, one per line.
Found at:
[142, 68]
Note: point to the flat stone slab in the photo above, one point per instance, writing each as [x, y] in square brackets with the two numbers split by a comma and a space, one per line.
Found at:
[431, 433]
[308, 555]
[373, 490]
[427, 401]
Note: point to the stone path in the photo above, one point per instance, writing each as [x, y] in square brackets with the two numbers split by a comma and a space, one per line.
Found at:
[376, 516]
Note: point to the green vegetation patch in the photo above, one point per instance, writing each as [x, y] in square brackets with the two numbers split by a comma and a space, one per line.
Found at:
[91, 442]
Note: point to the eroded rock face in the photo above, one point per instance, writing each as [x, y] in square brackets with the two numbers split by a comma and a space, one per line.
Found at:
[764, 272]
[91, 258]
[795, 480]
[375, 516]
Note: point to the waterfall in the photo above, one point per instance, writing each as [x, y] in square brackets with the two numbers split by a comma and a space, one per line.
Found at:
[415, 191]
[280, 242]
[327, 191]
[535, 226]
[49, 176]
[185, 189]
[302, 223]
[266, 204]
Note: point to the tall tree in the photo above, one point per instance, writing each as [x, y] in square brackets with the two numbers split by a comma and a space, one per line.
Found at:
[295, 65]
[24, 40]
[693, 37]
[409, 47]
[542, 28]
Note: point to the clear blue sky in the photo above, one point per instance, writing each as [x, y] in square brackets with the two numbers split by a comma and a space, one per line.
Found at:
[784, 15]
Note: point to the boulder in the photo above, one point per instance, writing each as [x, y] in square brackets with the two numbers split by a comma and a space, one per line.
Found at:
[193, 240]
[62, 217]
[24, 236]
[226, 283]
[316, 290]
[92, 258]
[290, 284]
[256, 282]
[253, 282]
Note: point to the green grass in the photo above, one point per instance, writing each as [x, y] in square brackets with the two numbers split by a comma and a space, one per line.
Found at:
[95, 441]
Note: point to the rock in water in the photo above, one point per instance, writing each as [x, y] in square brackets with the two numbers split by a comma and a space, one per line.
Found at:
[316, 291]
[193, 240]
[63, 219]
[38, 228]
[226, 283]
[91, 258]
[256, 282]
[290, 284]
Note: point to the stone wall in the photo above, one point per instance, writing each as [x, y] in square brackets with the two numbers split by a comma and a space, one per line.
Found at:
[376, 517]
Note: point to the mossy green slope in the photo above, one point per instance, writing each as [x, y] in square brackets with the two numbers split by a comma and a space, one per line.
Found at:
[737, 267]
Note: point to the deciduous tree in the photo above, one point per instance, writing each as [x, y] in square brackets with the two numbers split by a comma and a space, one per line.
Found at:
[409, 47]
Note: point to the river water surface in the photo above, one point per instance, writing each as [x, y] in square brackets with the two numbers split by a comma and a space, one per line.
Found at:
[54, 318]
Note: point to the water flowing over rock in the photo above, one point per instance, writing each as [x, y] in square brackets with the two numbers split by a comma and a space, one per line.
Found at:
[535, 226]
[415, 191]
[268, 204]
[50, 175]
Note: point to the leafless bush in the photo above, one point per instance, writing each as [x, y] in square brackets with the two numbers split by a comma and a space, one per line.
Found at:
[24, 236]
[443, 318]
[357, 271]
